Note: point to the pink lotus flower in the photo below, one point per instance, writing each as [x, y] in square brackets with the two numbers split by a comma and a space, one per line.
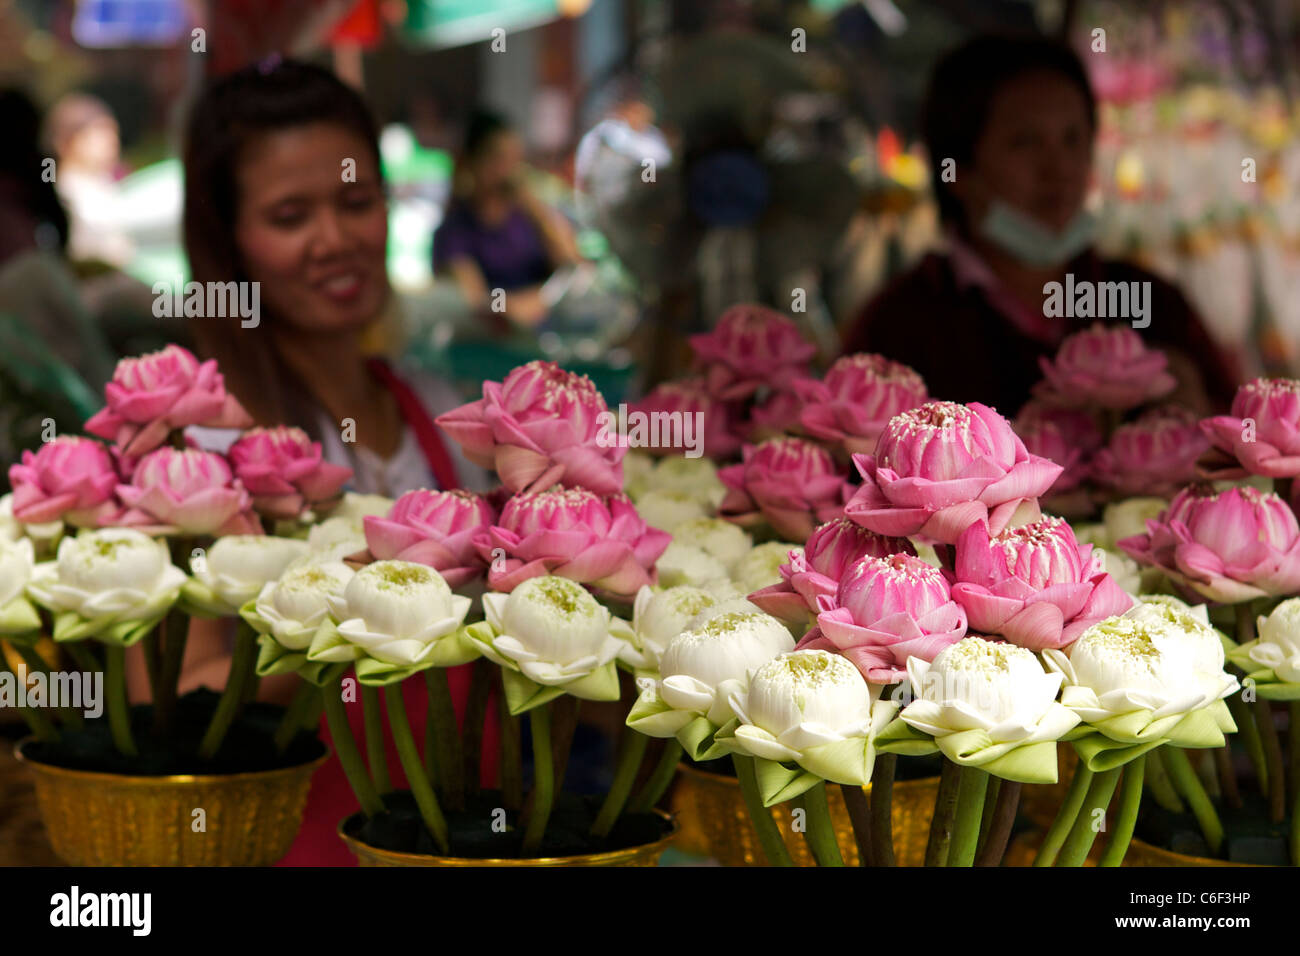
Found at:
[282, 468]
[942, 467]
[541, 426]
[151, 395]
[187, 492]
[436, 528]
[1035, 585]
[1155, 455]
[1067, 436]
[68, 479]
[751, 347]
[689, 397]
[889, 609]
[1106, 366]
[778, 415]
[859, 395]
[811, 579]
[1229, 546]
[1263, 432]
[792, 484]
[575, 534]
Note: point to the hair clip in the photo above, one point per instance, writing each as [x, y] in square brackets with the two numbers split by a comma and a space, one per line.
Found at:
[269, 64]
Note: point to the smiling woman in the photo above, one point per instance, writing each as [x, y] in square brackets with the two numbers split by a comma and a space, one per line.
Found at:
[284, 197]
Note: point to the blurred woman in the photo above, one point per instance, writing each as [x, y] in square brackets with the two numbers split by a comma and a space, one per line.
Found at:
[1009, 124]
[496, 235]
[283, 189]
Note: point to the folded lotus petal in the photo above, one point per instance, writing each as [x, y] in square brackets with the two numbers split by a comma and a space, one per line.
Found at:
[592, 467]
[625, 580]
[684, 692]
[142, 406]
[987, 612]
[520, 468]
[1106, 600]
[31, 507]
[426, 551]
[1197, 561]
[136, 442]
[650, 546]
[1027, 479]
[1036, 626]
[282, 507]
[324, 481]
[947, 524]
[509, 574]
[782, 602]
[467, 428]
[598, 560]
[931, 495]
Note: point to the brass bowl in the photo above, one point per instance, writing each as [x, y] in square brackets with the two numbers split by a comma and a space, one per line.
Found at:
[715, 821]
[108, 819]
[647, 854]
[1024, 848]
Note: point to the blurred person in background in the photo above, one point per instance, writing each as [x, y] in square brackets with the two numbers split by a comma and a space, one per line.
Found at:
[265, 202]
[82, 133]
[1014, 120]
[496, 235]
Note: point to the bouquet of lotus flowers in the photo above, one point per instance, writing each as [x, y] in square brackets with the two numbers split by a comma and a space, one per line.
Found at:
[120, 541]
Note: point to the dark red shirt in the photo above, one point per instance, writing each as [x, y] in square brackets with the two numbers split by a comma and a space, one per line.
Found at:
[968, 350]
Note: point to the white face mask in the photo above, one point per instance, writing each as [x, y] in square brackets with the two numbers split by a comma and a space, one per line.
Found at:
[1029, 241]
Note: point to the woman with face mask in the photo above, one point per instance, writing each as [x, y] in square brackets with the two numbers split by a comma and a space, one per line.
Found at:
[1009, 124]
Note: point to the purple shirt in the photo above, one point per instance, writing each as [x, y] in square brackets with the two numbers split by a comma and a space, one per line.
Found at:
[511, 255]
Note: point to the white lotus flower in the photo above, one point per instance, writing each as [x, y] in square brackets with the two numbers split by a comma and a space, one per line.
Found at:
[236, 569]
[106, 577]
[334, 539]
[697, 477]
[761, 567]
[657, 617]
[722, 539]
[45, 536]
[802, 700]
[1155, 657]
[396, 612]
[662, 508]
[17, 560]
[702, 668]
[978, 684]
[294, 606]
[682, 564]
[1123, 519]
[1278, 647]
[355, 507]
[550, 629]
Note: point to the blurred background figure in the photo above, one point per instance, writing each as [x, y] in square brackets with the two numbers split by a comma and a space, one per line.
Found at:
[496, 236]
[1013, 122]
[83, 136]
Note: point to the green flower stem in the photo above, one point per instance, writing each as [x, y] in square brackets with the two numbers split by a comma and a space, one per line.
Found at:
[1130, 798]
[431, 750]
[564, 723]
[41, 726]
[1084, 832]
[882, 809]
[1226, 775]
[990, 805]
[446, 743]
[345, 746]
[152, 660]
[859, 807]
[972, 787]
[409, 754]
[819, 830]
[945, 811]
[374, 729]
[631, 752]
[1248, 734]
[510, 765]
[1293, 746]
[175, 634]
[1295, 831]
[1003, 817]
[36, 665]
[476, 710]
[242, 665]
[543, 795]
[1190, 787]
[1065, 816]
[1273, 759]
[295, 715]
[769, 834]
[1157, 782]
[119, 710]
[660, 778]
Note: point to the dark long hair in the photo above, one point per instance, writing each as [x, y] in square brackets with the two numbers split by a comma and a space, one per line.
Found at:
[961, 91]
[230, 114]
